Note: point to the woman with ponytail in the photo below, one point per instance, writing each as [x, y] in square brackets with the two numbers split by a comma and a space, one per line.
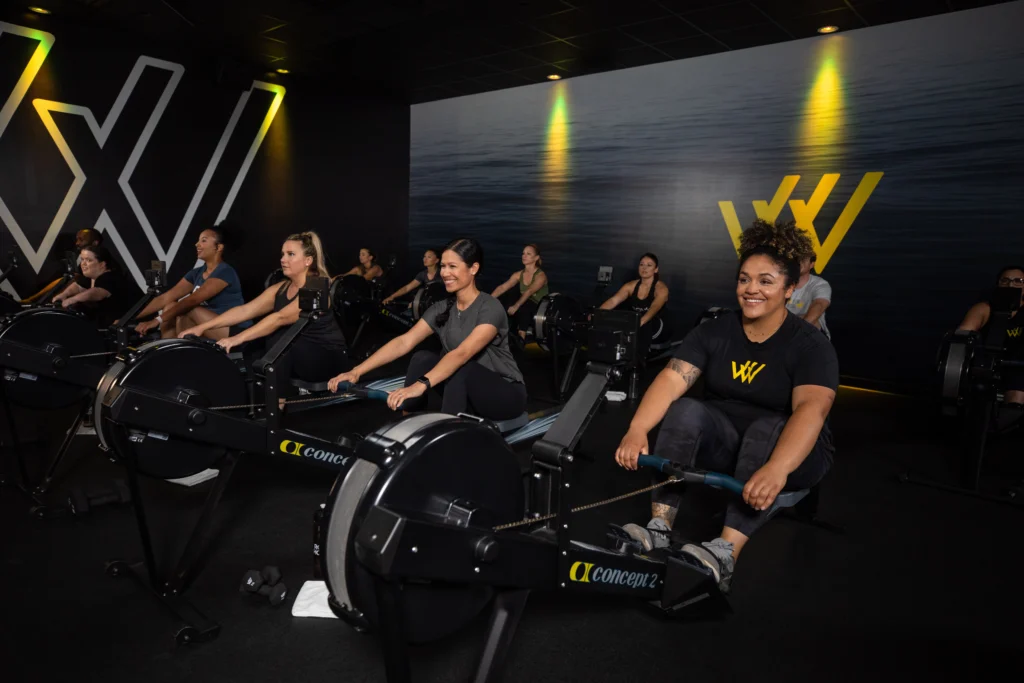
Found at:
[533, 286]
[647, 296]
[476, 373]
[769, 381]
[320, 350]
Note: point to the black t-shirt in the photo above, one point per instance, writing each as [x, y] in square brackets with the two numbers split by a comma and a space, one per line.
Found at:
[746, 379]
[122, 295]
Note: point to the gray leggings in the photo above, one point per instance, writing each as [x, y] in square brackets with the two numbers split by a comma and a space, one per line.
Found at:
[699, 434]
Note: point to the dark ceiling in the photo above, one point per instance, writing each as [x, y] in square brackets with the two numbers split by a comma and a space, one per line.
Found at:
[434, 49]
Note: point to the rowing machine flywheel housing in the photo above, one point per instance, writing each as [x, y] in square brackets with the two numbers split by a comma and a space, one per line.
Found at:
[66, 335]
[436, 467]
[195, 372]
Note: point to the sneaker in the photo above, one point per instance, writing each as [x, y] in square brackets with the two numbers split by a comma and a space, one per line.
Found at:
[655, 535]
[716, 555]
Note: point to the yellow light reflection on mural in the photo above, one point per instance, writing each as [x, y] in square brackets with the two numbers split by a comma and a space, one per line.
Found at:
[555, 173]
[824, 115]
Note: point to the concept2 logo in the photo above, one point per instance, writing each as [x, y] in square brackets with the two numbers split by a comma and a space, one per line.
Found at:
[304, 451]
[746, 372]
[102, 132]
[805, 212]
[586, 572]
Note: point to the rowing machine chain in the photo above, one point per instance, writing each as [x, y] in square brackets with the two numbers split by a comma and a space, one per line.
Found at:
[590, 506]
[287, 402]
[93, 355]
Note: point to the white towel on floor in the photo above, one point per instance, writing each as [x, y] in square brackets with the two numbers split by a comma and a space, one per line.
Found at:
[312, 601]
[615, 395]
[195, 479]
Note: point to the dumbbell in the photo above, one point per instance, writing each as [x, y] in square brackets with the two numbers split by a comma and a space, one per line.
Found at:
[80, 502]
[266, 583]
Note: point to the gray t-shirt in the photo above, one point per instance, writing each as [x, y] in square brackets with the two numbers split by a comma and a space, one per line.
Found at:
[485, 310]
[816, 288]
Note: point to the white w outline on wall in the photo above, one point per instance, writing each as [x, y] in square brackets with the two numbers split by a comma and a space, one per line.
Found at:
[101, 132]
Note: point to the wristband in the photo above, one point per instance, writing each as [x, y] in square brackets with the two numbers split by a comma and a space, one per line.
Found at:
[424, 380]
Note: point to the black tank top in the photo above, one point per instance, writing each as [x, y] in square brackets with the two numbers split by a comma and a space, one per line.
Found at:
[323, 332]
[641, 306]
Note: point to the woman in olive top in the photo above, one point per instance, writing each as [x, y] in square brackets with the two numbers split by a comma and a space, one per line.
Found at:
[533, 286]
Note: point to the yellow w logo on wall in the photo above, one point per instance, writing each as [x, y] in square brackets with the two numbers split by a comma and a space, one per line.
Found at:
[805, 212]
[746, 372]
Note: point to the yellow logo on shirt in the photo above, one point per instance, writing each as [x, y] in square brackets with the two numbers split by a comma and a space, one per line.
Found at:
[1015, 332]
[746, 372]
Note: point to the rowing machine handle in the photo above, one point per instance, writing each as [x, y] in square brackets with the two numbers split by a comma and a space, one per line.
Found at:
[375, 394]
[722, 481]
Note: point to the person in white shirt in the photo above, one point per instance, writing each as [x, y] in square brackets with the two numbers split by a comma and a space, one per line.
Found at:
[812, 297]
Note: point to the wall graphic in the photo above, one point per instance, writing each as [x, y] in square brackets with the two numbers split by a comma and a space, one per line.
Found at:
[146, 94]
[898, 147]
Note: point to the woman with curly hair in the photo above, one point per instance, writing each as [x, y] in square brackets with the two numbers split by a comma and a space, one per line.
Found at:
[770, 379]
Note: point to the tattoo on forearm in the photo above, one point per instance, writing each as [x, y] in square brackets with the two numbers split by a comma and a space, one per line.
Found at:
[684, 370]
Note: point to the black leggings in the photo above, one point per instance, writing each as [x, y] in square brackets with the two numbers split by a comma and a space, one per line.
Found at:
[473, 389]
[524, 316]
[697, 434]
[310, 363]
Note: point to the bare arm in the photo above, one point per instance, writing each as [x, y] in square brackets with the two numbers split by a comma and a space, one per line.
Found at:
[394, 349]
[668, 387]
[619, 296]
[660, 299]
[261, 305]
[976, 318]
[811, 405]
[69, 291]
[478, 339]
[506, 285]
[816, 310]
[539, 280]
[179, 290]
[91, 294]
[286, 316]
[403, 291]
[209, 289]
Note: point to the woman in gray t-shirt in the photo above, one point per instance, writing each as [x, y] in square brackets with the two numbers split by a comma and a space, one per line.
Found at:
[476, 373]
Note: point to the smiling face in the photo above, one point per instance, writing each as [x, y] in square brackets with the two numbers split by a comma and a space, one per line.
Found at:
[207, 246]
[456, 273]
[761, 288]
[1013, 278]
[293, 261]
[648, 268]
[92, 267]
[430, 259]
[530, 256]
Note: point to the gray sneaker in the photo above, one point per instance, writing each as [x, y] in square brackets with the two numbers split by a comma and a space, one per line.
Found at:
[655, 535]
[716, 555]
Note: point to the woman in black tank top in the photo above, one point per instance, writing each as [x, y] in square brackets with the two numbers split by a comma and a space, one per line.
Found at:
[647, 296]
[977, 320]
[320, 351]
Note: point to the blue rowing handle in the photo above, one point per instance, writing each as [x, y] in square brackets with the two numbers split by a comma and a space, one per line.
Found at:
[375, 394]
[722, 481]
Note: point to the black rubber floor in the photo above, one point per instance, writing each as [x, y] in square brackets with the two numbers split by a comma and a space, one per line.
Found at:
[924, 585]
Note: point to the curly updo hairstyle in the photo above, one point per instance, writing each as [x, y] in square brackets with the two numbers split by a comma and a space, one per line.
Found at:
[784, 243]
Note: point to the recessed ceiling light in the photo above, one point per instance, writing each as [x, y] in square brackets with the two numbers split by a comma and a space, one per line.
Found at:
[39, 10]
[282, 71]
[554, 77]
[828, 29]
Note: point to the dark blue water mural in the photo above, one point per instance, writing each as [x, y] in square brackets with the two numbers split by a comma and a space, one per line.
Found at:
[900, 147]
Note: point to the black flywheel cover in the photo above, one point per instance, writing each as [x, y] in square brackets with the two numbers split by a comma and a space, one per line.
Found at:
[38, 328]
[175, 368]
[446, 459]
